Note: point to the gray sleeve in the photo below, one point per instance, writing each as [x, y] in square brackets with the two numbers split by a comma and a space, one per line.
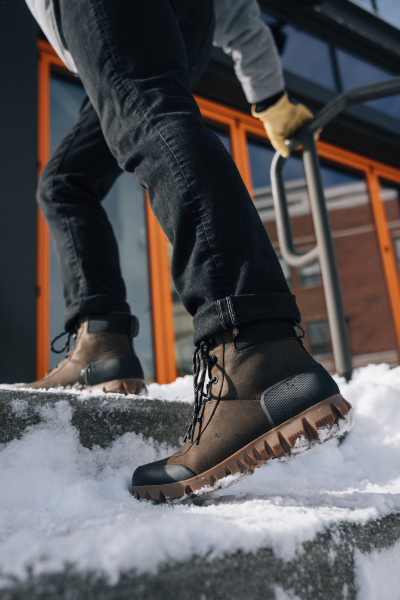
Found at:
[242, 34]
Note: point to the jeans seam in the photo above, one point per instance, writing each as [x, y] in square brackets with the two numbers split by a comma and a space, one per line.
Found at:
[231, 310]
[221, 316]
[122, 80]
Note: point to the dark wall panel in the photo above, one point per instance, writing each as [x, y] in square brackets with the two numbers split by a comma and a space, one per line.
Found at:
[18, 135]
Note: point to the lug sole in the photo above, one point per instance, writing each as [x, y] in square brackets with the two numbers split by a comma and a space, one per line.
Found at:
[119, 386]
[329, 419]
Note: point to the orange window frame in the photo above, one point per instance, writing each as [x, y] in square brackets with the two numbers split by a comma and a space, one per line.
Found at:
[239, 125]
[160, 286]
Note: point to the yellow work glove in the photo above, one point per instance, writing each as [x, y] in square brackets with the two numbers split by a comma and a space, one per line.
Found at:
[281, 120]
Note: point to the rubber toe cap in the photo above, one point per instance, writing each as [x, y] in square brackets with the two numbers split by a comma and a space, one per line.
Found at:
[160, 475]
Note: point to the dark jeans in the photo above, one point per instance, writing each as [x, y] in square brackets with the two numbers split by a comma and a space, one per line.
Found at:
[136, 60]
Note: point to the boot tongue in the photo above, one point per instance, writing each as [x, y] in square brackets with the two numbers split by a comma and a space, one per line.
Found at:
[255, 333]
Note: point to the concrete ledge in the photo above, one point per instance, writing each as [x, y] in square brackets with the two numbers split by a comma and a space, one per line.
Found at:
[324, 570]
[99, 419]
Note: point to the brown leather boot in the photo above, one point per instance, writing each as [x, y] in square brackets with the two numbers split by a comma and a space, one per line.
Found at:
[264, 400]
[103, 357]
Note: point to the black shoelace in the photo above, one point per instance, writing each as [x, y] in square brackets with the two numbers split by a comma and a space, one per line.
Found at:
[202, 365]
[65, 347]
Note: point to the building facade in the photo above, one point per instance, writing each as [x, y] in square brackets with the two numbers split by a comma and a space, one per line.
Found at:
[326, 48]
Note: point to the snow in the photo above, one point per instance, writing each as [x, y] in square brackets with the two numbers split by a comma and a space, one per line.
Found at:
[180, 390]
[281, 594]
[377, 574]
[62, 503]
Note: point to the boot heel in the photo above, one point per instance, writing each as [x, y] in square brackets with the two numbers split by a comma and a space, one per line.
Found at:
[119, 386]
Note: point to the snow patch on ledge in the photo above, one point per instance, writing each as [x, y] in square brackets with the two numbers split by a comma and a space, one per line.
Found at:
[180, 390]
[62, 503]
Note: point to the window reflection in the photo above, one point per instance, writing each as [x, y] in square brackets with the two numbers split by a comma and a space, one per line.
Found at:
[286, 270]
[310, 275]
[319, 337]
[307, 56]
[388, 10]
[125, 207]
[335, 69]
[390, 194]
[345, 192]
[338, 184]
[183, 327]
[222, 134]
[355, 72]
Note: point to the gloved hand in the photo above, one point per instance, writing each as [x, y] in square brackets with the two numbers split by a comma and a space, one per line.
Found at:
[281, 120]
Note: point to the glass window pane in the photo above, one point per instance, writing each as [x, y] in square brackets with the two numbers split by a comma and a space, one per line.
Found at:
[355, 72]
[357, 253]
[308, 57]
[183, 327]
[66, 98]
[366, 3]
[389, 10]
[396, 244]
[260, 156]
[125, 207]
[222, 134]
[319, 339]
[286, 270]
[126, 210]
[310, 275]
[390, 194]
[334, 180]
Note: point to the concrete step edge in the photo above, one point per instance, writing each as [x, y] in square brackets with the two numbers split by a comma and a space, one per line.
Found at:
[100, 419]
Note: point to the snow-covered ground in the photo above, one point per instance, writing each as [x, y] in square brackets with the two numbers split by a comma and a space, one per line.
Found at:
[62, 503]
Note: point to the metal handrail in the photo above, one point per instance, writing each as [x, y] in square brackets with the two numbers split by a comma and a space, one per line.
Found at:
[324, 249]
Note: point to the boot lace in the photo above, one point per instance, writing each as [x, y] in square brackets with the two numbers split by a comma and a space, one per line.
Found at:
[202, 365]
[65, 347]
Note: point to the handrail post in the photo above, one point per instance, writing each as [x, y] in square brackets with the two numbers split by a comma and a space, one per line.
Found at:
[326, 252]
[283, 219]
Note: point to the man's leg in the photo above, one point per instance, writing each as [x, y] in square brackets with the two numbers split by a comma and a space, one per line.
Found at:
[265, 392]
[133, 64]
[73, 184]
[71, 188]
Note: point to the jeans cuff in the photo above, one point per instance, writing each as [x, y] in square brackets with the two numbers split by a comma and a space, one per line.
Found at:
[93, 305]
[233, 310]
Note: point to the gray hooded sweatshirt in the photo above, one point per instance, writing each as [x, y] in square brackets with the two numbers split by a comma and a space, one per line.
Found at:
[239, 31]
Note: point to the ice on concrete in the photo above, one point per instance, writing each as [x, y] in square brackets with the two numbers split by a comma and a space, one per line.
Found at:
[63, 503]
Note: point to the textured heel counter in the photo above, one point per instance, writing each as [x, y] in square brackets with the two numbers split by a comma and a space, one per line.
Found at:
[295, 394]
